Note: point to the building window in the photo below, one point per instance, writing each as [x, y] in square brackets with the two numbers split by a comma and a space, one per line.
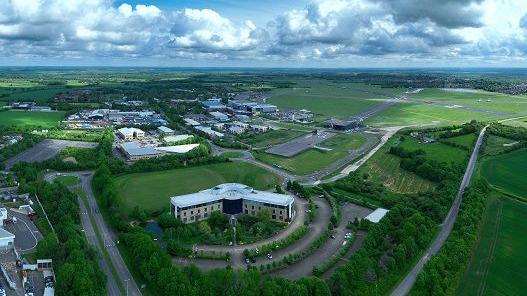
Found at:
[274, 211]
[184, 219]
[206, 215]
[199, 211]
[206, 209]
[281, 217]
[252, 213]
[274, 217]
[246, 211]
[192, 212]
[252, 207]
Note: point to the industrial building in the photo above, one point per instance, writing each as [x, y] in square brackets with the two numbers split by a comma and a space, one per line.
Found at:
[263, 108]
[344, 124]
[133, 151]
[130, 133]
[165, 130]
[231, 199]
[176, 138]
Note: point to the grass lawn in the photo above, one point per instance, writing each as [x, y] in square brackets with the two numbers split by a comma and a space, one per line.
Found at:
[151, 191]
[313, 160]
[332, 100]
[507, 171]
[436, 151]
[444, 107]
[30, 119]
[385, 168]
[232, 154]
[270, 138]
[465, 140]
[496, 144]
[68, 180]
[498, 262]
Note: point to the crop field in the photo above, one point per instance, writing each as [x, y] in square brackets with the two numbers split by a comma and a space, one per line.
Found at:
[436, 151]
[507, 171]
[498, 262]
[385, 168]
[450, 106]
[37, 94]
[270, 138]
[151, 191]
[517, 123]
[30, 119]
[313, 160]
[341, 101]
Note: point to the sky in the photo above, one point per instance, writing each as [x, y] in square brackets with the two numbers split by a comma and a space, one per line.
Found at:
[271, 33]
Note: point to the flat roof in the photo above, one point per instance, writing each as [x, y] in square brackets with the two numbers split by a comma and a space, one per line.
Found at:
[376, 215]
[177, 148]
[231, 191]
[165, 129]
[133, 149]
[5, 234]
[129, 131]
[176, 138]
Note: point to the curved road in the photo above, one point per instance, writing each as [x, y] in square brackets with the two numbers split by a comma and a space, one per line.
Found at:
[108, 236]
[406, 284]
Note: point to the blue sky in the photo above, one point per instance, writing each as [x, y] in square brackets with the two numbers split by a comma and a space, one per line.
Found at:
[301, 33]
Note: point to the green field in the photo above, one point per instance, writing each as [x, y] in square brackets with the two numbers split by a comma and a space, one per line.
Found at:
[465, 140]
[68, 180]
[496, 144]
[151, 191]
[313, 160]
[333, 100]
[507, 171]
[498, 262]
[270, 138]
[436, 151]
[449, 107]
[31, 119]
[385, 168]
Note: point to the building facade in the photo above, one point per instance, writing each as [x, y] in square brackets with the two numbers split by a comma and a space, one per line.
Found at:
[231, 199]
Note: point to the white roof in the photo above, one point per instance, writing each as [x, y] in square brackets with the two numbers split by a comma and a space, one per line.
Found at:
[176, 138]
[165, 129]
[129, 131]
[231, 191]
[135, 150]
[209, 131]
[6, 234]
[177, 148]
[377, 215]
[191, 121]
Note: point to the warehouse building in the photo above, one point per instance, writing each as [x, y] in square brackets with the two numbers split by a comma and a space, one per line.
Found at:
[163, 130]
[263, 108]
[133, 151]
[130, 133]
[231, 199]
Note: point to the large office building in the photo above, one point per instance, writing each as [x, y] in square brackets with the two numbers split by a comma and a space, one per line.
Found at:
[231, 199]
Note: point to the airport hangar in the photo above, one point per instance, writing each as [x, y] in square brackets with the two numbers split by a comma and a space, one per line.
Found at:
[232, 199]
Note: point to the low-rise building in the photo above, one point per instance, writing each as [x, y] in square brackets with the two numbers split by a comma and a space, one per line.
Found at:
[263, 108]
[213, 104]
[130, 133]
[259, 128]
[219, 116]
[232, 199]
[377, 215]
[209, 131]
[178, 149]
[176, 138]
[133, 151]
[165, 130]
[191, 122]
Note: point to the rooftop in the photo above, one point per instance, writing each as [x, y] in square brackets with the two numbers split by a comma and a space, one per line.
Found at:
[129, 131]
[133, 149]
[376, 215]
[177, 148]
[6, 234]
[176, 138]
[231, 191]
[165, 129]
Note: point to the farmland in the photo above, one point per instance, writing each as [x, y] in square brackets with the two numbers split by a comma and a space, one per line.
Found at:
[30, 119]
[313, 160]
[385, 168]
[331, 100]
[151, 191]
[436, 151]
[507, 172]
[499, 259]
[496, 144]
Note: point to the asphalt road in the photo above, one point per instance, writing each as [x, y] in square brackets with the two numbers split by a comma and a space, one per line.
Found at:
[108, 236]
[46, 150]
[26, 232]
[406, 284]
[331, 246]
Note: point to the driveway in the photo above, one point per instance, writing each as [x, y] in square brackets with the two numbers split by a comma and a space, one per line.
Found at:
[329, 248]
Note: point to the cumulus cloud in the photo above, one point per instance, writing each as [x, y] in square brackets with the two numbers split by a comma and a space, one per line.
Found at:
[205, 30]
[323, 29]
